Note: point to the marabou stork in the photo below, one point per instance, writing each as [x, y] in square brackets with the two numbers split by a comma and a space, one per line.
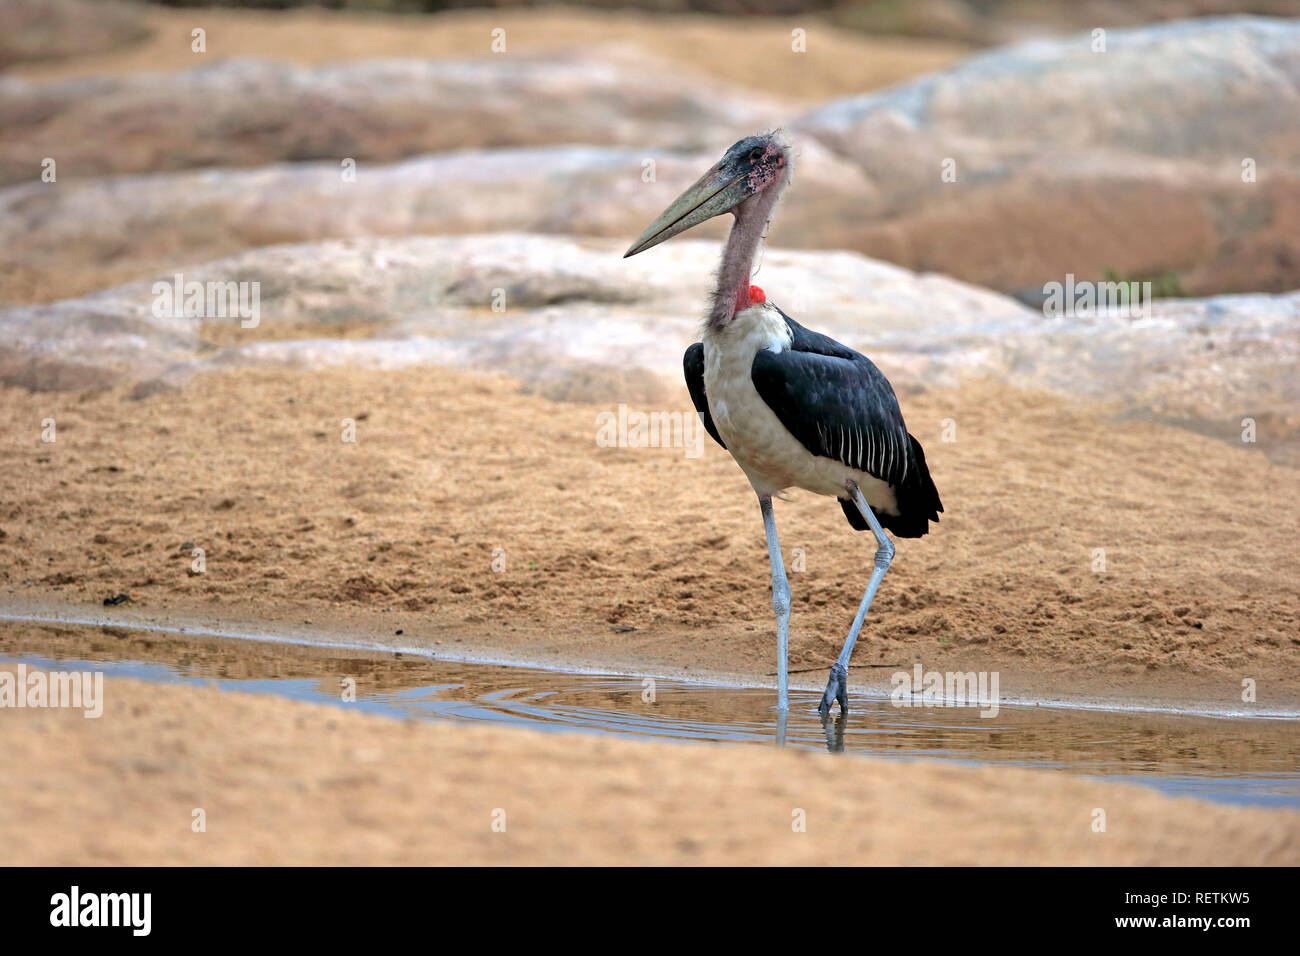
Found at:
[794, 407]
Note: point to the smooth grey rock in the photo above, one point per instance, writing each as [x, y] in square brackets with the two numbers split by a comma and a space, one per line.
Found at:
[203, 214]
[33, 30]
[245, 112]
[556, 310]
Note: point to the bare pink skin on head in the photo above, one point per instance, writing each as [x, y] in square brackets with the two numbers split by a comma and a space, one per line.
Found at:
[770, 167]
[769, 177]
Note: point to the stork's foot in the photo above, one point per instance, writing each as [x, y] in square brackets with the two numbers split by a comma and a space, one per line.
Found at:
[837, 688]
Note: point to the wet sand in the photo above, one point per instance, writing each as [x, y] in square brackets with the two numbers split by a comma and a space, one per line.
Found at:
[281, 782]
[646, 560]
[1223, 759]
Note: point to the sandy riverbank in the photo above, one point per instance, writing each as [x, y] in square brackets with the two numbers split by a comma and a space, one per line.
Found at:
[400, 530]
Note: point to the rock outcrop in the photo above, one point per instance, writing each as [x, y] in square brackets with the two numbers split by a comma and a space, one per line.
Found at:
[572, 319]
[1124, 152]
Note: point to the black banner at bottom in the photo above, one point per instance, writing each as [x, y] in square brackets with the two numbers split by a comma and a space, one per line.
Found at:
[371, 905]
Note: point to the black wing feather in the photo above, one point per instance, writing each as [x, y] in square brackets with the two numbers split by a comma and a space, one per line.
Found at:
[840, 406]
[693, 366]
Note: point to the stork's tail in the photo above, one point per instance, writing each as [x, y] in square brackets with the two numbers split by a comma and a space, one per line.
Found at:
[918, 503]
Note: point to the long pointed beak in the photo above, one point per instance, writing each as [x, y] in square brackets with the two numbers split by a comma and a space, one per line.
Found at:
[718, 191]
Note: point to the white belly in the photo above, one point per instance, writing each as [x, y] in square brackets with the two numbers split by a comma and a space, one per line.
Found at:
[771, 458]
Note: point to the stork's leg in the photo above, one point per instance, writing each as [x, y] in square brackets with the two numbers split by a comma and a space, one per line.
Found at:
[837, 687]
[780, 604]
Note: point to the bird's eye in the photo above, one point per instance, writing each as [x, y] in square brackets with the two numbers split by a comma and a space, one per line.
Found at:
[756, 154]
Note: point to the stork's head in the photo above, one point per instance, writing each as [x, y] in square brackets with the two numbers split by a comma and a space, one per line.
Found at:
[755, 166]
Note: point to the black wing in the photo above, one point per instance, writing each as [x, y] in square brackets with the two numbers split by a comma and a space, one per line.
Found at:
[840, 406]
[693, 366]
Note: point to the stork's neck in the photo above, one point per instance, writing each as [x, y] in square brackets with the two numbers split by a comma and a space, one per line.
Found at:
[732, 293]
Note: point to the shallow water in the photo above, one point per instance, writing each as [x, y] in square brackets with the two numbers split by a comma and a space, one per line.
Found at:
[1228, 759]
